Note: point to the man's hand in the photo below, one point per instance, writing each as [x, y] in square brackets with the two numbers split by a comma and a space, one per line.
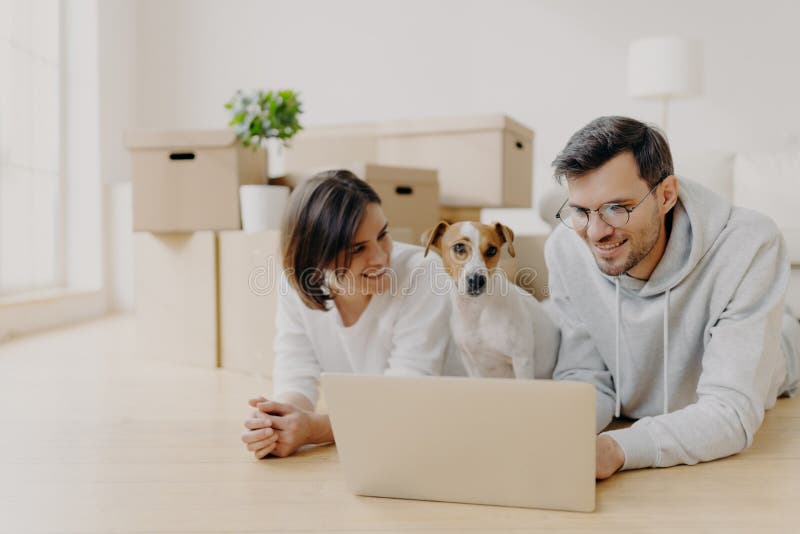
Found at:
[610, 457]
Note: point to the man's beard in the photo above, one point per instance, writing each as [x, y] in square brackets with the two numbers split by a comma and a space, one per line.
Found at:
[641, 245]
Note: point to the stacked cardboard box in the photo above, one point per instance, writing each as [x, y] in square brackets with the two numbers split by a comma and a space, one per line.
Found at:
[482, 162]
[175, 277]
[409, 196]
[249, 276]
[185, 181]
[528, 268]
[185, 205]
[207, 292]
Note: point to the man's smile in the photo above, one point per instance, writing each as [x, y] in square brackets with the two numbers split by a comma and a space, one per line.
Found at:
[609, 249]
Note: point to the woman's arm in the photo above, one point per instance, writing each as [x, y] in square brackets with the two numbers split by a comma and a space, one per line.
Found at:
[297, 368]
[280, 428]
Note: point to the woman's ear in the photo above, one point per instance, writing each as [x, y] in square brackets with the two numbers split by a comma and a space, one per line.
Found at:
[432, 236]
[507, 235]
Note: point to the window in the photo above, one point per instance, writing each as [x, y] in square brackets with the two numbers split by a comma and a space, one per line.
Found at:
[31, 185]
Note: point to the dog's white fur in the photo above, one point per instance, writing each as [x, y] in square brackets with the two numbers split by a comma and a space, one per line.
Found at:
[504, 332]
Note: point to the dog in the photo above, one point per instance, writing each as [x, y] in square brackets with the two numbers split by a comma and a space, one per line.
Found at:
[501, 329]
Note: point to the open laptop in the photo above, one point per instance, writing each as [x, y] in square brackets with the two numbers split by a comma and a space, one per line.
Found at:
[527, 443]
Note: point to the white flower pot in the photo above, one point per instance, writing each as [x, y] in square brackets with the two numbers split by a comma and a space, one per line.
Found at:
[262, 206]
[276, 163]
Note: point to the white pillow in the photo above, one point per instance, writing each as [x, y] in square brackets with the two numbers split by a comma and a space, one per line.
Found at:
[523, 221]
[548, 202]
[770, 183]
[713, 169]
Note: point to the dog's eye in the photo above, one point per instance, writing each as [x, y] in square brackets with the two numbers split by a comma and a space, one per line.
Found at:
[459, 248]
[491, 251]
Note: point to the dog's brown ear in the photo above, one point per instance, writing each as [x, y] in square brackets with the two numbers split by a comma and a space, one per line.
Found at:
[431, 236]
[507, 235]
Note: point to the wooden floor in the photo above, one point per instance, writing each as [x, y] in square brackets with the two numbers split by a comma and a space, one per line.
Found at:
[96, 438]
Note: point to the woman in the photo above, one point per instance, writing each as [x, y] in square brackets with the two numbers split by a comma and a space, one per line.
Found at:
[351, 301]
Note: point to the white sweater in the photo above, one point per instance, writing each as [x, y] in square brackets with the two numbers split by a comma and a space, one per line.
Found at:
[404, 331]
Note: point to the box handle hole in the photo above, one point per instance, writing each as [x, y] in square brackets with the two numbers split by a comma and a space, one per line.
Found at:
[181, 156]
[519, 145]
[404, 190]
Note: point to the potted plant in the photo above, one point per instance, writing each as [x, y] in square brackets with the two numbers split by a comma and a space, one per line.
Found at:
[268, 119]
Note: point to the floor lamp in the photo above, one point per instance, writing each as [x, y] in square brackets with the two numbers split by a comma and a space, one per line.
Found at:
[663, 68]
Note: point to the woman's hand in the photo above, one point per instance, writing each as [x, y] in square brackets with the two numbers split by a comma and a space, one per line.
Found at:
[293, 426]
[280, 428]
[260, 438]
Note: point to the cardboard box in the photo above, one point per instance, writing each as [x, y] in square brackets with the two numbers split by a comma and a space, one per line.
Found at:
[319, 147]
[175, 279]
[528, 269]
[249, 269]
[408, 195]
[482, 160]
[187, 181]
[455, 214]
[404, 235]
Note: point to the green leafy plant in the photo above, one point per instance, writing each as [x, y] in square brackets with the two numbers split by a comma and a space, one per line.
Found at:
[260, 115]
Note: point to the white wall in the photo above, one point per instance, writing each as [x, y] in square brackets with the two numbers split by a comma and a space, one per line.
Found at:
[119, 85]
[119, 246]
[84, 203]
[552, 64]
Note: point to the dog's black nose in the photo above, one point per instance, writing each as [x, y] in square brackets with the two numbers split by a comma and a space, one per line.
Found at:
[475, 284]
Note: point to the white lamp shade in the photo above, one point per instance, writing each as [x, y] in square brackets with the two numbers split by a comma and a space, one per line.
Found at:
[663, 67]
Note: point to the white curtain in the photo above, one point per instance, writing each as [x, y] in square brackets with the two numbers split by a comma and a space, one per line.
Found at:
[31, 212]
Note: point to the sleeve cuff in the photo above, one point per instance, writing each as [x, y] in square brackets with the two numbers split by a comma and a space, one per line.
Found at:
[638, 445]
[310, 391]
[604, 413]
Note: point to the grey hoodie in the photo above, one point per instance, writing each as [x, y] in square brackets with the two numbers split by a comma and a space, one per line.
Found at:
[694, 353]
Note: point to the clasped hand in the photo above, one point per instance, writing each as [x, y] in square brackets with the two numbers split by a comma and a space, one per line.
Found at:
[276, 428]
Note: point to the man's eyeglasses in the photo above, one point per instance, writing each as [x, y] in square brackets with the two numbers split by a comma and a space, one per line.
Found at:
[611, 213]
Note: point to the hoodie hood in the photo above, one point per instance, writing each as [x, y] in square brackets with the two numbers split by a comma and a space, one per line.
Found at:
[698, 218]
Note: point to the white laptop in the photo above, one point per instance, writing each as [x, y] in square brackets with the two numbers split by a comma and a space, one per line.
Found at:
[527, 443]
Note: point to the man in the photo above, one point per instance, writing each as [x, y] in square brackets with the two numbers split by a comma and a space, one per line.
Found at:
[670, 301]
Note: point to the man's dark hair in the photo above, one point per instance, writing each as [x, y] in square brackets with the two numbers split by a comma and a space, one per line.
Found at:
[593, 145]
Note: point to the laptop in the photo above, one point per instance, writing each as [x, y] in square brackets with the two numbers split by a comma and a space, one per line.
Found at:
[522, 443]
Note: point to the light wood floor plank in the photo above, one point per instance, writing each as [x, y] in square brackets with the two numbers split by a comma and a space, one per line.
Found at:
[97, 438]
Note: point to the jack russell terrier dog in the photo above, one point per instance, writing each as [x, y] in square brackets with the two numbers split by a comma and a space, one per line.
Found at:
[501, 329]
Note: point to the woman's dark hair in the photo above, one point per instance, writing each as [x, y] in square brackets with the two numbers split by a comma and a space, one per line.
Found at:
[321, 220]
[593, 145]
